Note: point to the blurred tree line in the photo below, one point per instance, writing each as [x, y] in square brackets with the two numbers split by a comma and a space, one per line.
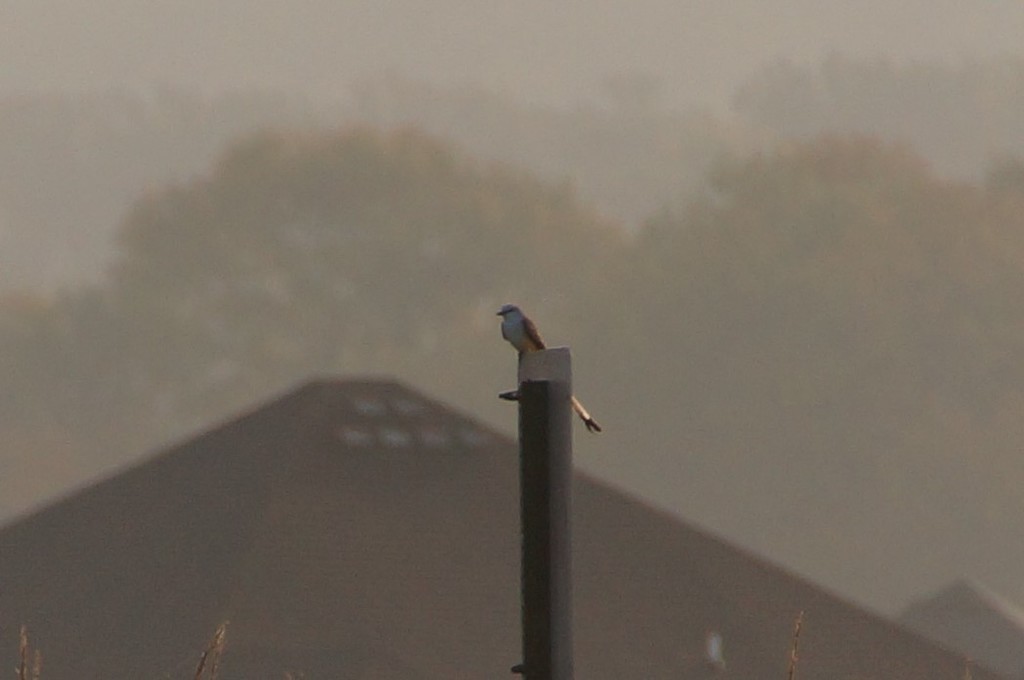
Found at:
[958, 116]
[300, 253]
[820, 355]
[71, 164]
[626, 154]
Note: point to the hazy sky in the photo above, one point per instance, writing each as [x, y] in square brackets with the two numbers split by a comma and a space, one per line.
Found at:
[542, 50]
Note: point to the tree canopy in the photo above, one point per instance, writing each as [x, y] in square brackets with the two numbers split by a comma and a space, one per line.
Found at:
[356, 251]
[835, 332]
[957, 116]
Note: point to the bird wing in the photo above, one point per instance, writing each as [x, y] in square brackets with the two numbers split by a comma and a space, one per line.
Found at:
[532, 335]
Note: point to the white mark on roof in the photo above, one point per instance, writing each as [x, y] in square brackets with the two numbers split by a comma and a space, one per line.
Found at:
[435, 437]
[395, 437]
[354, 436]
[407, 406]
[369, 406]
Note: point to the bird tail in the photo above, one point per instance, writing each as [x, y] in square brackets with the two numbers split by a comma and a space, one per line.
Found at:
[584, 415]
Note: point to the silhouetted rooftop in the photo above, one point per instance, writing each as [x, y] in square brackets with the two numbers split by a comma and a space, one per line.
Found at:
[357, 529]
[973, 620]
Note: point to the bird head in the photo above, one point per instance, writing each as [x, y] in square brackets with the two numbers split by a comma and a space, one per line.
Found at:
[507, 309]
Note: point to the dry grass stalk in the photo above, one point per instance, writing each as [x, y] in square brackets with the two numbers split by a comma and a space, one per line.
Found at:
[23, 654]
[212, 653]
[26, 670]
[795, 647]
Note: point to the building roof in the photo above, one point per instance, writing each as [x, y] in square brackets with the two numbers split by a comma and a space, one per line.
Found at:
[357, 529]
[970, 618]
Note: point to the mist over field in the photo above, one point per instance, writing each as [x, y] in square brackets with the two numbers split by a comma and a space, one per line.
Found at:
[785, 243]
[533, 51]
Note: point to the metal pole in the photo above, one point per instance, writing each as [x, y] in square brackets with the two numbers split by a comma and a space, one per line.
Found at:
[545, 456]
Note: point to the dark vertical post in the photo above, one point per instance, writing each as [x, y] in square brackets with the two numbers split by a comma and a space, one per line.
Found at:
[545, 445]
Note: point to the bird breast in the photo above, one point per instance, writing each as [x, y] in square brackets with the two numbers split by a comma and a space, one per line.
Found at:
[512, 330]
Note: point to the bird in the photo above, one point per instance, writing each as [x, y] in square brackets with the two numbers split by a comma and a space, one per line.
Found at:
[521, 333]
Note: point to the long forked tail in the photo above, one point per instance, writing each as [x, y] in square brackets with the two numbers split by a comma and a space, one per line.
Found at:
[584, 415]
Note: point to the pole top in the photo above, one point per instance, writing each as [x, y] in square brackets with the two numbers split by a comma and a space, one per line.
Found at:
[550, 365]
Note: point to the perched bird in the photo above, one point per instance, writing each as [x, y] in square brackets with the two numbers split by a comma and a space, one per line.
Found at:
[522, 334]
